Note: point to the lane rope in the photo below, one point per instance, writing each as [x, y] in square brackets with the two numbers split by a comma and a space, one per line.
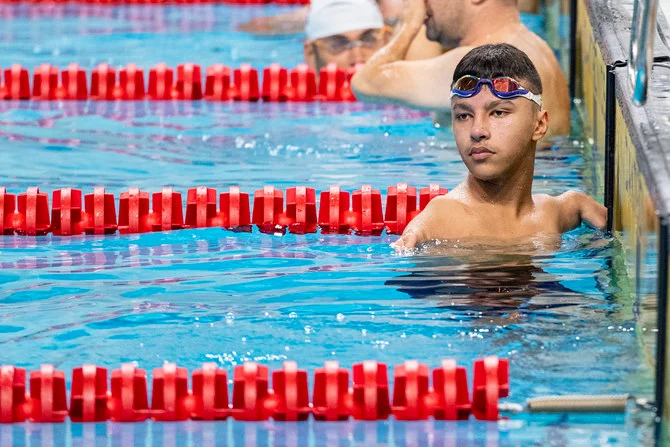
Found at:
[340, 212]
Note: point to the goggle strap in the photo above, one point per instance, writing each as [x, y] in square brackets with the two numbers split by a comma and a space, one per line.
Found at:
[520, 93]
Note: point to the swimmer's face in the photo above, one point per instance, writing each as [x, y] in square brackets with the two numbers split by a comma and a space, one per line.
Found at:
[444, 21]
[346, 50]
[495, 137]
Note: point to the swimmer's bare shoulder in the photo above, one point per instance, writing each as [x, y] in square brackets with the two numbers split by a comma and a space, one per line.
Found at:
[437, 221]
[570, 209]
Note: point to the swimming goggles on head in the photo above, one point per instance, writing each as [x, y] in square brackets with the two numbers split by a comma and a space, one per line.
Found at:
[503, 87]
[339, 44]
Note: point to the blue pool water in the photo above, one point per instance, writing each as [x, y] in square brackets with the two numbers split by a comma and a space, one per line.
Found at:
[560, 310]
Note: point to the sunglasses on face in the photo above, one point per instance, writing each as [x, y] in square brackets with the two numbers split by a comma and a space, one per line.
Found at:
[502, 87]
[339, 44]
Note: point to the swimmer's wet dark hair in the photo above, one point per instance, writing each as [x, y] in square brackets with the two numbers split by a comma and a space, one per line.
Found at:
[500, 59]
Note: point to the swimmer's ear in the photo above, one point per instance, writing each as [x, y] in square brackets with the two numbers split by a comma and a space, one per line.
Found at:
[541, 125]
[310, 56]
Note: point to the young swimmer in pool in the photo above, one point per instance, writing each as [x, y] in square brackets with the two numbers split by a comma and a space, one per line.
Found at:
[498, 119]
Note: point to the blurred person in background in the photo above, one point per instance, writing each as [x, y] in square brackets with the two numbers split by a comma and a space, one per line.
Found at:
[298, 21]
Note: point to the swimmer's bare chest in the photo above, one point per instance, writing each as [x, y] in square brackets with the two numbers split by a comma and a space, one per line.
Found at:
[497, 223]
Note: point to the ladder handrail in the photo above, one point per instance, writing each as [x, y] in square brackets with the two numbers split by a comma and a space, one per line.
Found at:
[641, 54]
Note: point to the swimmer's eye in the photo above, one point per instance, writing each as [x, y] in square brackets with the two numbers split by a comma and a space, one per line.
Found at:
[370, 37]
[500, 113]
[462, 116]
[336, 44]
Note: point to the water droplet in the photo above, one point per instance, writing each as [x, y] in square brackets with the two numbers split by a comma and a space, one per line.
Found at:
[340, 317]
[293, 315]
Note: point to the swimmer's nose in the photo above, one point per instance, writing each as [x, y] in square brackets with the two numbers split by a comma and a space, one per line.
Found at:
[480, 128]
[358, 56]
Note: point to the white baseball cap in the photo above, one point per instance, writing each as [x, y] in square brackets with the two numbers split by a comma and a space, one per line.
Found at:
[331, 17]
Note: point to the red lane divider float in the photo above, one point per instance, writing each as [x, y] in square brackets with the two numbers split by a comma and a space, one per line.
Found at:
[88, 396]
[334, 398]
[221, 83]
[339, 212]
[12, 394]
[170, 399]
[47, 401]
[491, 382]
[210, 393]
[371, 391]
[128, 401]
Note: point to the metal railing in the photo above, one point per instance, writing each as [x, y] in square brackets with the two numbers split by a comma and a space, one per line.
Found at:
[641, 55]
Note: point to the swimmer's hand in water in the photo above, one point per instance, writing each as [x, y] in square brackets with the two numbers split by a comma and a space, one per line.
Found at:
[577, 207]
[405, 242]
[418, 229]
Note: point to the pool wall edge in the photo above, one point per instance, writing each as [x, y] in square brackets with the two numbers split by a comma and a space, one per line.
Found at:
[631, 153]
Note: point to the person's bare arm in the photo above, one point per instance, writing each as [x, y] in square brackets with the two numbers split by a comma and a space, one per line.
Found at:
[593, 212]
[388, 78]
[415, 232]
[288, 23]
[578, 207]
[422, 48]
[429, 224]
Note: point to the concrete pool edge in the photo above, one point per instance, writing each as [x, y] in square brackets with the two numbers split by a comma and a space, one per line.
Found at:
[631, 148]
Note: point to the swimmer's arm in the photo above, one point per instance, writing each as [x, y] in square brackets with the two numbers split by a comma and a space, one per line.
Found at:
[422, 48]
[414, 234]
[423, 84]
[387, 77]
[578, 207]
[423, 227]
[288, 23]
[378, 72]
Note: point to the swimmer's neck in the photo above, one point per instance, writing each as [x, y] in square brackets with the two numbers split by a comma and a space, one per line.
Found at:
[490, 18]
[513, 192]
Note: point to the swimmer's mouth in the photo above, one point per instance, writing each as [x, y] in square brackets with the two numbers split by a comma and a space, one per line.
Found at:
[480, 150]
[429, 13]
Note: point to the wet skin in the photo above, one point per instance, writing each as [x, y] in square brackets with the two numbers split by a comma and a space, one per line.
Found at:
[496, 139]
